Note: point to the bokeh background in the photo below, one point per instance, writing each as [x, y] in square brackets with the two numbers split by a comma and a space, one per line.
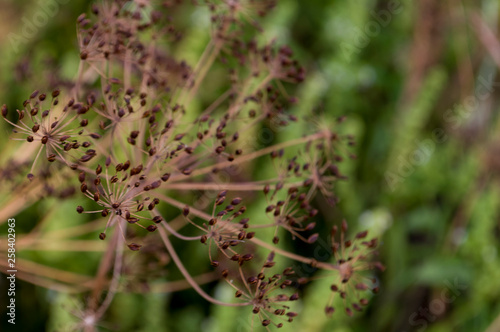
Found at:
[418, 83]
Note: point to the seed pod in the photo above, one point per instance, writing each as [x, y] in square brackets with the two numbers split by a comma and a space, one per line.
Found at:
[81, 177]
[4, 110]
[132, 220]
[313, 238]
[310, 226]
[236, 201]
[203, 238]
[79, 209]
[34, 94]
[86, 158]
[247, 257]
[361, 235]
[152, 228]
[55, 93]
[102, 236]
[252, 280]
[344, 226]
[268, 264]
[266, 189]
[134, 246]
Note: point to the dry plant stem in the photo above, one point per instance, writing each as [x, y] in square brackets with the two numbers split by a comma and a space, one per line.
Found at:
[19, 202]
[127, 71]
[52, 274]
[45, 244]
[74, 231]
[298, 258]
[103, 270]
[487, 37]
[178, 235]
[175, 286]
[79, 78]
[113, 287]
[49, 284]
[202, 69]
[244, 186]
[250, 156]
[188, 277]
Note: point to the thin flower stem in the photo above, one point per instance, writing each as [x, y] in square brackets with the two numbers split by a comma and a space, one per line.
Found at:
[252, 155]
[103, 270]
[113, 287]
[244, 186]
[178, 235]
[188, 277]
[41, 270]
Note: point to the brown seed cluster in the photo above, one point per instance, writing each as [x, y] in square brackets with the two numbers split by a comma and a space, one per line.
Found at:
[353, 258]
[268, 293]
[56, 127]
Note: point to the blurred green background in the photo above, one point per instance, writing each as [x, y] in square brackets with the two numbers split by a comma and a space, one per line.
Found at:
[417, 83]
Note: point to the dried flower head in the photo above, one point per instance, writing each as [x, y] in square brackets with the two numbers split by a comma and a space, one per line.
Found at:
[55, 127]
[353, 258]
[267, 294]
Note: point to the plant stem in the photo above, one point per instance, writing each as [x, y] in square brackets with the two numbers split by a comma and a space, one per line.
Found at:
[188, 277]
